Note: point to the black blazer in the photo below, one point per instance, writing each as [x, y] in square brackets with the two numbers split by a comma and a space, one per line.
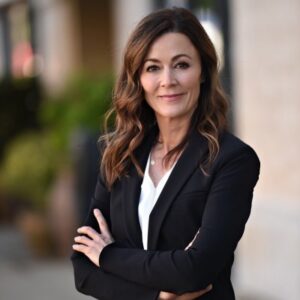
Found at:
[219, 204]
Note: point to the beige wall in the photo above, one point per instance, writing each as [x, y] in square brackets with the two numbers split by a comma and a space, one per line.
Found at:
[266, 61]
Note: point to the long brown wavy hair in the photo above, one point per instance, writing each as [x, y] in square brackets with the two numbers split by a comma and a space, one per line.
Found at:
[132, 115]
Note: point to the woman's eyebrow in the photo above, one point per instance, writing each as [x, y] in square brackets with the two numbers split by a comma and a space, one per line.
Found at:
[155, 60]
[179, 56]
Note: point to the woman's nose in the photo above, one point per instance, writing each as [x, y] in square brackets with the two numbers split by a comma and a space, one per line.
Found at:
[168, 78]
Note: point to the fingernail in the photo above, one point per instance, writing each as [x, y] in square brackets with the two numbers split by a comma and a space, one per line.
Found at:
[96, 211]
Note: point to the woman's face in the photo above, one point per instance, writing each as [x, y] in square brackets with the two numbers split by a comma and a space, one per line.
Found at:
[170, 77]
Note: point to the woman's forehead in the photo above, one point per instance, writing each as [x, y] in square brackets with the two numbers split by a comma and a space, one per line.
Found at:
[171, 46]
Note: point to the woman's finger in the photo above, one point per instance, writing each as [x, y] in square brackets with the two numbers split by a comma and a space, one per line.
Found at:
[194, 295]
[83, 240]
[207, 289]
[89, 231]
[80, 248]
[201, 292]
[188, 246]
[191, 243]
[102, 223]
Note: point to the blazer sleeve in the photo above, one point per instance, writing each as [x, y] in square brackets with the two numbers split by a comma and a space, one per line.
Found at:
[227, 210]
[94, 281]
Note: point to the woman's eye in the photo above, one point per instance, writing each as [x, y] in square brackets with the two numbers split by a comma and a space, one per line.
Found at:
[182, 65]
[152, 68]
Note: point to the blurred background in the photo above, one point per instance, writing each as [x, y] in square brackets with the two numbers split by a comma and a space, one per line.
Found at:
[58, 60]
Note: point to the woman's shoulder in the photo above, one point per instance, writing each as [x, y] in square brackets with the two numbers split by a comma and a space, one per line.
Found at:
[232, 147]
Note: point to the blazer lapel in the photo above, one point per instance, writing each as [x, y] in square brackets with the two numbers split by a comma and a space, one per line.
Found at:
[187, 163]
[131, 185]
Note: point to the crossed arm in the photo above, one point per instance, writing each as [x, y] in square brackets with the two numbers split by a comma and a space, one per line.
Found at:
[92, 243]
[228, 208]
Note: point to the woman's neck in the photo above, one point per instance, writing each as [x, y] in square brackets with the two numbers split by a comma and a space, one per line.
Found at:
[171, 134]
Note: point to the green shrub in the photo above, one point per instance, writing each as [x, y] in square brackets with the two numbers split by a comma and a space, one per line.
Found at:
[32, 160]
[82, 105]
[29, 168]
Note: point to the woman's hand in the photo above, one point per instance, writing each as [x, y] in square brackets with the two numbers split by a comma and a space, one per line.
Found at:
[92, 244]
[191, 243]
[185, 296]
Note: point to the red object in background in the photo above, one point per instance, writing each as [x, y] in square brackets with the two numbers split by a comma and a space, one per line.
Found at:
[22, 55]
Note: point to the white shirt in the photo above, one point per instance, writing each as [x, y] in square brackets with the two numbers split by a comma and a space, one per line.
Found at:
[148, 198]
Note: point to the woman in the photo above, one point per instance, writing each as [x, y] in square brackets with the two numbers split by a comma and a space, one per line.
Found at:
[175, 188]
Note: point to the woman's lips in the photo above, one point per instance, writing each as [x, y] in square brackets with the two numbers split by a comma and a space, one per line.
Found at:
[171, 97]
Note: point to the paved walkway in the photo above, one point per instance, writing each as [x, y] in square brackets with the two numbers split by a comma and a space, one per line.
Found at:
[22, 277]
[38, 281]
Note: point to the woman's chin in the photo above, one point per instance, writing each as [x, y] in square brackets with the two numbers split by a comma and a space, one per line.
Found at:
[172, 116]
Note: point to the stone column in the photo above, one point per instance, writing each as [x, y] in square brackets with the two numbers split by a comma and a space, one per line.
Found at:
[266, 65]
[126, 14]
